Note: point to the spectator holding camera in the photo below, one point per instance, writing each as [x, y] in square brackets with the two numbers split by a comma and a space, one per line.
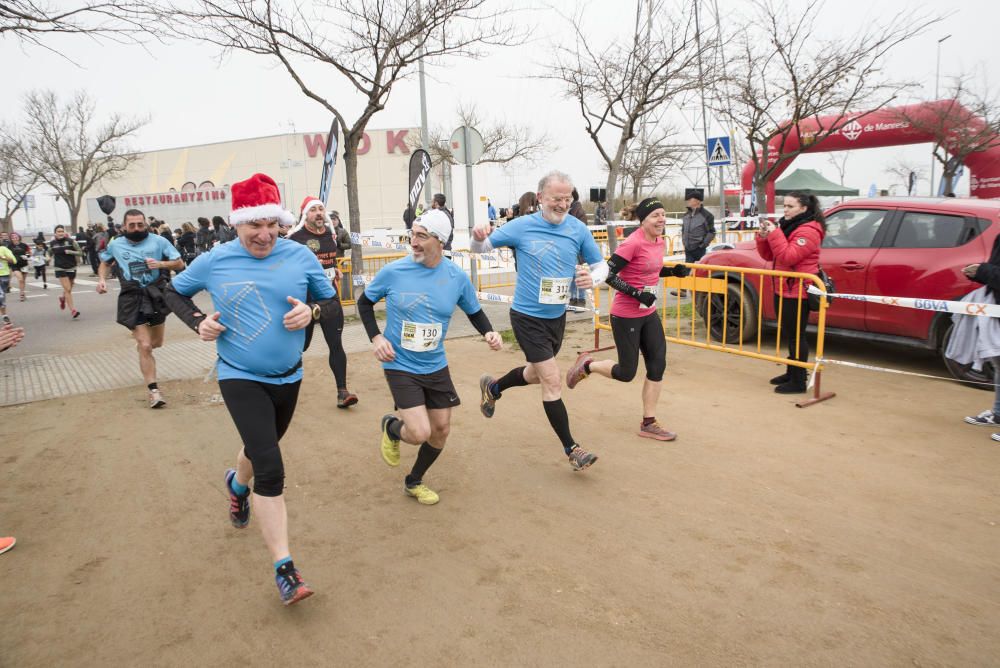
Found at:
[793, 245]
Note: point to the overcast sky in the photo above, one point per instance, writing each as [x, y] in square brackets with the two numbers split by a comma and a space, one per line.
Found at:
[192, 98]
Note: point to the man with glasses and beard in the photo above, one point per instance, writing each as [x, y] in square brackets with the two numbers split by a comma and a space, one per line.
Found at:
[548, 245]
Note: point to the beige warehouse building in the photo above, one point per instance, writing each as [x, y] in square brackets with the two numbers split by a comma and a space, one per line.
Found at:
[180, 184]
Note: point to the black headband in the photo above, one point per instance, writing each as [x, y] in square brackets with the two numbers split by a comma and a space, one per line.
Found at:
[646, 207]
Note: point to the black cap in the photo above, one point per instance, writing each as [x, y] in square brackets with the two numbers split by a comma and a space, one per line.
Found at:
[646, 207]
[697, 193]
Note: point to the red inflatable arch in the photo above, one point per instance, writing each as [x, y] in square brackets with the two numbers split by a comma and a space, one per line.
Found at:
[886, 127]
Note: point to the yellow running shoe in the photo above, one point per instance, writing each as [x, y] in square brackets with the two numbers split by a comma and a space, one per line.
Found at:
[423, 494]
[390, 445]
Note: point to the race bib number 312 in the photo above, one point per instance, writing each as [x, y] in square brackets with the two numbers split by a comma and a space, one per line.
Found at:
[553, 291]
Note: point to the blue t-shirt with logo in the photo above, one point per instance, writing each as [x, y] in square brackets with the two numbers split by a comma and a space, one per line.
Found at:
[131, 257]
[546, 260]
[251, 295]
[419, 303]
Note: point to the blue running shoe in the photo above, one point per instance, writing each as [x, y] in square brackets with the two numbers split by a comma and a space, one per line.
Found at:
[291, 587]
[239, 505]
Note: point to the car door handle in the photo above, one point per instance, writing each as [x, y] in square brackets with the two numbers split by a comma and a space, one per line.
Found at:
[852, 266]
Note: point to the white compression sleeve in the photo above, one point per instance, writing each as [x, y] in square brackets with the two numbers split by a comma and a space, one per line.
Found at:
[599, 272]
[480, 246]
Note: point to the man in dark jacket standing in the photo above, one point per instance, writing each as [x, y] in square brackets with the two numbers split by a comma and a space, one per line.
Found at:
[697, 227]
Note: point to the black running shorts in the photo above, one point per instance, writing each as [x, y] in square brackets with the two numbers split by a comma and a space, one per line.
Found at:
[68, 273]
[433, 390]
[539, 338]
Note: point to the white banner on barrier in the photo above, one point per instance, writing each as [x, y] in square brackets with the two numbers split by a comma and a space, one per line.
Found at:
[939, 305]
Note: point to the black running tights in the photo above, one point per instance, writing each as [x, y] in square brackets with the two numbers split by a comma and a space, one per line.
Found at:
[333, 332]
[262, 413]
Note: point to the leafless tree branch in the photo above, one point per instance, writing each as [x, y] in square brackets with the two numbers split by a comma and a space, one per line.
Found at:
[15, 183]
[781, 72]
[965, 122]
[900, 170]
[34, 21]
[371, 44]
[503, 142]
[59, 144]
[619, 86]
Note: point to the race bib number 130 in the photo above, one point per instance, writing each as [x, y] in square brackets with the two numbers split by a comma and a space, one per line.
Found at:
[421, 337]
[553, 291]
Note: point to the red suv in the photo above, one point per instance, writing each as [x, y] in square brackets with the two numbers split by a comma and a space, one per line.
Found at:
[892, 246]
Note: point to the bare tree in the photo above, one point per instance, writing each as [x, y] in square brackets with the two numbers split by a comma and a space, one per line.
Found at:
[15, 184]
[58, 143]
[965, 122]
[33, 20]
[839, 162]
[781, 73]
[901, 170]
[503, 142]
[653, 157]
[370, 44]
[618, 86]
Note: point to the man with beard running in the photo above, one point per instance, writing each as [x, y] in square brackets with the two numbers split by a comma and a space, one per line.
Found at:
[547, 243]
[420, 292]
[315, 231]
[141, 258]
[258, 285]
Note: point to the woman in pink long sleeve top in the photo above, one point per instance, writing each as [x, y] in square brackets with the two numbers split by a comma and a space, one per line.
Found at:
[793, 245]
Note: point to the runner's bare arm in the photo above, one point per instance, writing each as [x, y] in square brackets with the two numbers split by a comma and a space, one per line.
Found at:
[102, 277]
[172, 265]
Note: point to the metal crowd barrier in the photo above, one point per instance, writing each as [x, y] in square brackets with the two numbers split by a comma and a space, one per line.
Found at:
[725, 314]
[370, 264]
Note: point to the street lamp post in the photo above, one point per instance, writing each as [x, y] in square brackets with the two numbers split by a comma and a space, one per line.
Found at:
[937, 77]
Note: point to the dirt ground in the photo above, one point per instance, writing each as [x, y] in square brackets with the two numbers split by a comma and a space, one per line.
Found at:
[859, 532]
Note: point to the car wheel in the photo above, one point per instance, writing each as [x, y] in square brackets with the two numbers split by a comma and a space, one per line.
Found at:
[731, 320]
[982, 380]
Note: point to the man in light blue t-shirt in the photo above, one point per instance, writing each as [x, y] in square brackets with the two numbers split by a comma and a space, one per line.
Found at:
[140, 257]
[548, 244]
[420, 293]
[258, 286]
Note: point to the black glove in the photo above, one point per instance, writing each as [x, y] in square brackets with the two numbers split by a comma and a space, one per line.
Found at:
[647, 299]
[679, 270]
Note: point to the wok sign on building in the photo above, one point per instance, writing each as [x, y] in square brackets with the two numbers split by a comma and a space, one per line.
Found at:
[395, 141]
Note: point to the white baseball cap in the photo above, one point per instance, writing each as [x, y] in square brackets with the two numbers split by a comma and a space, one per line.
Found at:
[437, 224]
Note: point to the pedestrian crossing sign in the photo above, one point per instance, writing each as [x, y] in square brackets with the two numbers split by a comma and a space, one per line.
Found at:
[718, 151]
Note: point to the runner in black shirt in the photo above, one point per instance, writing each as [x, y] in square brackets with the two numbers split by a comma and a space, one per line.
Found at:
[315, 231]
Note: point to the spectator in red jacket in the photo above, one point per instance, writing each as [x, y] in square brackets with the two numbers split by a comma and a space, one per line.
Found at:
[793, 245]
